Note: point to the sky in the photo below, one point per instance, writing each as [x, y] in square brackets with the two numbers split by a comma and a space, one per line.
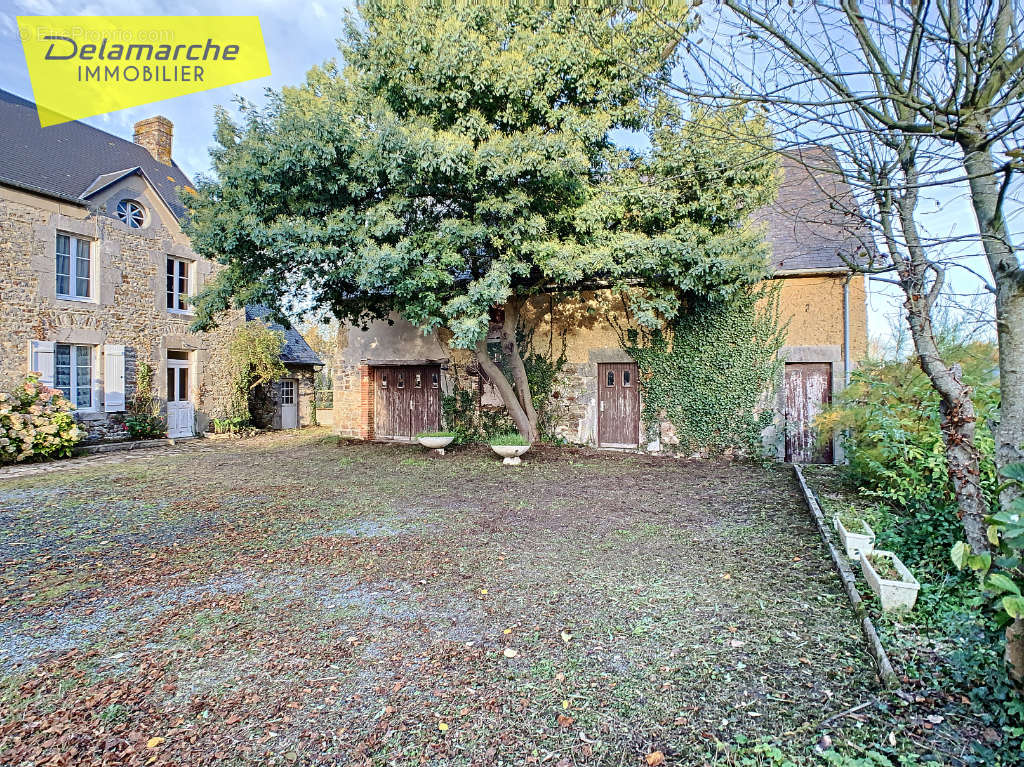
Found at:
[299, 36]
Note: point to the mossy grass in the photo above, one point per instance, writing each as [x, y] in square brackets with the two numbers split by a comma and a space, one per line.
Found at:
[508, 438]
[426, 434]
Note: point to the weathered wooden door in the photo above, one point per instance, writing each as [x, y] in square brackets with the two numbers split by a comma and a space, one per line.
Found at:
[808, 391]
[618, 405]
[407, 400]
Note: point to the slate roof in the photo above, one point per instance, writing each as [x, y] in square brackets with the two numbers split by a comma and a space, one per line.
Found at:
[72, 161]
[295, 351]
[815, 223]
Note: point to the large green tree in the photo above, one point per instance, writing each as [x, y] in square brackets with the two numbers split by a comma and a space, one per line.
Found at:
[462, 162]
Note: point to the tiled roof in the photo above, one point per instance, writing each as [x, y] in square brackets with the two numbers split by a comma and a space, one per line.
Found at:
[815, 223]
[295, 351]
[71, 161]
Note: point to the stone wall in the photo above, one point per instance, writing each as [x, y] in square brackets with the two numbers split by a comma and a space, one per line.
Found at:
[588, 331]
[128, 305]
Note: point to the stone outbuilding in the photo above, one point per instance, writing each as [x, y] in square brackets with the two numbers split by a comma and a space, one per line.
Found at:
[287, 403]
[390, 380]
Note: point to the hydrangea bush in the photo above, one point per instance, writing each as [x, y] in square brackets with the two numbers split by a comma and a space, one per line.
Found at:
[35, 423]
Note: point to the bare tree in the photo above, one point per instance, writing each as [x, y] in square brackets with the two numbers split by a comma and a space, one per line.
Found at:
[920, 100]
[916, 97]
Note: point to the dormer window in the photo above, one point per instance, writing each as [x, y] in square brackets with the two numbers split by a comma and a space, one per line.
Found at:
[131, 213]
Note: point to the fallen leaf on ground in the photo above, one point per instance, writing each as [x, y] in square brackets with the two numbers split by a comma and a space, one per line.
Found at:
[655, 758]
[154, 742]
[510, 653]
[442, 726]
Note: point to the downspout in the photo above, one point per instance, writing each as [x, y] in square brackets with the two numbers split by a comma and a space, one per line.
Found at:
[846, 356]
[846, 331]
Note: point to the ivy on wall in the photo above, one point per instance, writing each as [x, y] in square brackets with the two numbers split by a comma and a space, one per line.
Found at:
[255, 354]
[713, 373]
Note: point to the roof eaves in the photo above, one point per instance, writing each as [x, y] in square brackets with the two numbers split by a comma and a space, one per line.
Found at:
[40, 191]
[105, 180]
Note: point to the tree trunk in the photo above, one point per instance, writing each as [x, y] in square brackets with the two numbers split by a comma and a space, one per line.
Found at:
[958, 426]
[510, 346]
[1009, 286]
[986, 199]
[955, 404]
[518, 399]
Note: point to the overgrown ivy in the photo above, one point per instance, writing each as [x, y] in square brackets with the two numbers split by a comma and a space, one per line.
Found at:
[713, 373]
[542, 369]
[255, 354]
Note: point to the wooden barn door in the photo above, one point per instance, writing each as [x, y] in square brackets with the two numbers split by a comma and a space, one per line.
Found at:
[618, 405]
[808, 391]
[407, 400]
[425, 399]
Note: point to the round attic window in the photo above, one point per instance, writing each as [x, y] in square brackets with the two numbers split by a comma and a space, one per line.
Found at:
[131, 213]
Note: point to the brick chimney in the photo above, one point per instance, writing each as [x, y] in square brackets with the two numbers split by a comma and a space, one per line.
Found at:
[155, 134]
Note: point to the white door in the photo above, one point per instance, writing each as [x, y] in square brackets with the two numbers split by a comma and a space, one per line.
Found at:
[180, 410]
[289, 403]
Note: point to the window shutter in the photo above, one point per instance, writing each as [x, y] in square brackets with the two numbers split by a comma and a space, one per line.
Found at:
[113, 378]
[41, 361]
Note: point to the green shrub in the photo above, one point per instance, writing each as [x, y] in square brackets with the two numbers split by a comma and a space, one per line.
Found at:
[36, 423]
[508, 439]
[897, 456]
[236, 425]
[145, 426]
[255, 354]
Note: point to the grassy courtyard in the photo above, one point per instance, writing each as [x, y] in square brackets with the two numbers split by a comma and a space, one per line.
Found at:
[302, 600]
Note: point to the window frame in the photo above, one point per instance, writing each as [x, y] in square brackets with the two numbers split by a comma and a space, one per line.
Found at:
[74, 384]
[289, 387]
[74, 258]
[128, 217]
[174, 294]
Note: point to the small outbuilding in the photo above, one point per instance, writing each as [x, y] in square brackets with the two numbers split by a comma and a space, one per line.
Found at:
[288, 402]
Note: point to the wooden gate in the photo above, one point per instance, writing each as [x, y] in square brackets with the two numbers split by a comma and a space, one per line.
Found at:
[618, 405]
[808, 390]
[407, 400]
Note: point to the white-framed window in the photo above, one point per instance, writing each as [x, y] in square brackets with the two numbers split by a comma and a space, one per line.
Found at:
[287, 392]
[179, 284]
[131, 213]
[72, 373]
[74, 267]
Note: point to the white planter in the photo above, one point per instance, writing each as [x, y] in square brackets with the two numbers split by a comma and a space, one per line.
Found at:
[435, 443]
[510, 453]
[894, 595]
[855, 543]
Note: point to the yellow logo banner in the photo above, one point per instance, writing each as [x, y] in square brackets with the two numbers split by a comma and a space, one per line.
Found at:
[82, 66]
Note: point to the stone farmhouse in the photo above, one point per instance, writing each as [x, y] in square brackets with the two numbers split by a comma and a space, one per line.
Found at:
[388, 380]
[96, 273]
